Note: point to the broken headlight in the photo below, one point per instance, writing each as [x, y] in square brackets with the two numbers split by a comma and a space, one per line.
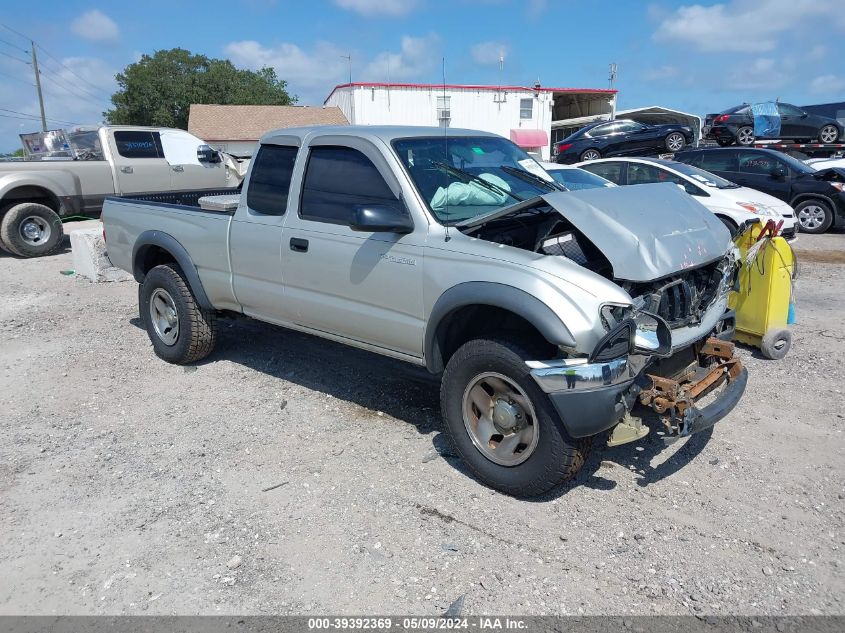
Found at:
[612, 314]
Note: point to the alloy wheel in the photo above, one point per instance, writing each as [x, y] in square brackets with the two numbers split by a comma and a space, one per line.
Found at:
[591, 154]
[828, 134]
[675, 142]
[745, 136]
[811, 217]
[164, 317]
[500, 419]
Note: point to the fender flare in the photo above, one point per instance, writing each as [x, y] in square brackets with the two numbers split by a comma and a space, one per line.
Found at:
[180, 254]
[497, 295]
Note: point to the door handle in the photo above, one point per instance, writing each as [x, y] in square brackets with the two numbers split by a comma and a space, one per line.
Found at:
[126, 169]
[299, 245]
[178, 168]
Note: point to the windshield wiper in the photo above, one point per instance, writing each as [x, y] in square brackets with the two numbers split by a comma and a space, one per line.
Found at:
[466, 177]
[533, 179]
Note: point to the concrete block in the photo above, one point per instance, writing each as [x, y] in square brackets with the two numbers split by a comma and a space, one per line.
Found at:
[90, 259]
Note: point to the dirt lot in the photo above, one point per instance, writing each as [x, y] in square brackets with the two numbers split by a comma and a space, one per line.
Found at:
[131, 486]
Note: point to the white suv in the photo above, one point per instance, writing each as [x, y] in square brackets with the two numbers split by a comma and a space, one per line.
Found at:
[731, 203]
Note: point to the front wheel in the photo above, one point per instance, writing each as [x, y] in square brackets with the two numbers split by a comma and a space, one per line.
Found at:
[180, 330]
[31, 230]
[590, 154]
[814, 216]
[502, 425]
[828, 134]
[675, 142]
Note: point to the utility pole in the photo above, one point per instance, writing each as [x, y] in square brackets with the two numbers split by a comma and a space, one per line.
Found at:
[38, 86]
[612, 81]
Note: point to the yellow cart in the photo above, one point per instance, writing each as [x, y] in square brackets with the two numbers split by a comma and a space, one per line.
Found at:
[762, 301]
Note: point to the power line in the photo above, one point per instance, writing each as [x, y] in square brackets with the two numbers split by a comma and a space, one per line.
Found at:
[87, 96]
[18, 33]
[7, 43]
[35, 116]
[67, 68]
[17, 59]
[28, 83]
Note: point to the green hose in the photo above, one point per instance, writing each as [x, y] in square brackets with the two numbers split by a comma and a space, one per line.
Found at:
[71, 218]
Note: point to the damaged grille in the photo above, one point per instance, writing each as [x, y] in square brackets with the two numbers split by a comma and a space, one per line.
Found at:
[682, 299]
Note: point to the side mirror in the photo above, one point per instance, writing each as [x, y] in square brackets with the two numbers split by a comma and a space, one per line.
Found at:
[382, 218]
[778, 173]
[652, 335]
[206, 154]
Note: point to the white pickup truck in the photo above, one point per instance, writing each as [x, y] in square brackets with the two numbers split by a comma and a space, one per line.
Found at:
[100, 162]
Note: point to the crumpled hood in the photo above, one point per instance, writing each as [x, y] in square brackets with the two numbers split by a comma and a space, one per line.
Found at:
[646, 231]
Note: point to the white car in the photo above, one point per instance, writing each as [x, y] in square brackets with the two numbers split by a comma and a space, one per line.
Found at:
[824, 163]
[730, 202]
[575, 178]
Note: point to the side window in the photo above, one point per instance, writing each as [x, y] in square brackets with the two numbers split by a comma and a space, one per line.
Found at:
[627, 126]
[639, 174]
[612, 171]
[785, 109]
[337, 180]
[601, 130]
[718, 160]
[269, 183]
[140, 144]
[754, 163]
[526, 108]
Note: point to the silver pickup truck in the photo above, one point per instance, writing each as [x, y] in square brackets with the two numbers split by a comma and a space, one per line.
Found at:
[552, 316]
[94, 163]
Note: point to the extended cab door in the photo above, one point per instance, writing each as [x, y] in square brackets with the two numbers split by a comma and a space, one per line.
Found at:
[357, 285]
[186, 170]
[255, 238]
[139, 164]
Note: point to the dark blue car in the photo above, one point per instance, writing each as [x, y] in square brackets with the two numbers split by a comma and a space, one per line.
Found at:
[622, 137]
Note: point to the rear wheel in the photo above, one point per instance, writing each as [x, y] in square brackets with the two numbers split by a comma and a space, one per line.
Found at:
[829, 134]
[675, 142]
[745, 135]
[590, 154]
[31, 230]
[502, 425]
[180, 330]
[814, 216]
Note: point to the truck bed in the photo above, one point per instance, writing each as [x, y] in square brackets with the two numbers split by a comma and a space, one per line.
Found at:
[187, 199]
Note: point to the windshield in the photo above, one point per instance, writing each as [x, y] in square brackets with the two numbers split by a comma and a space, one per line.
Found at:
[704, 177]
[472, 178]
[797, 165]
[576, 179]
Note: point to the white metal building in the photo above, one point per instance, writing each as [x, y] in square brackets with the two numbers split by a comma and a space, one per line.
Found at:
[522, 113]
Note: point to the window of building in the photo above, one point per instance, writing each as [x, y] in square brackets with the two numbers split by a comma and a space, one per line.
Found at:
[132, 144]
[337, 181]
[269, 183]
[444, 109]
[526, 108]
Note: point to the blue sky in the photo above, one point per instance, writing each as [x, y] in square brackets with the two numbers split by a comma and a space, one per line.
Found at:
[698, 57]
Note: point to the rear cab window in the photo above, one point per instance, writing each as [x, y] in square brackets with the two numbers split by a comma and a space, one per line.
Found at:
[138, 144]
[269, 182]
[337, 181]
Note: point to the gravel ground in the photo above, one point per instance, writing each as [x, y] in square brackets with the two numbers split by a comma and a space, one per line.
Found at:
[131, 486]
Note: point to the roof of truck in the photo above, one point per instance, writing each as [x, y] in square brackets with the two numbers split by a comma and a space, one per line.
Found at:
[371, 132]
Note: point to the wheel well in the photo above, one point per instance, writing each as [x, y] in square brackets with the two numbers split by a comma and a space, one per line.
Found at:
[151, 256]
[811, 197]
[485, 321]
[31, 193]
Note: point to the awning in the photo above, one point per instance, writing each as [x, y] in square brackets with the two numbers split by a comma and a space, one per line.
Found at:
[529, 138]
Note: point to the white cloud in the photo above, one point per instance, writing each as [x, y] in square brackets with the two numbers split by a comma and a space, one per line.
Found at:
[378, 8]
[661, 73]
[828, 85]
[763, 73]
[417, 57]
[310, 74]
[488, 53]
[746, 25]
[536, 7]
[95, 25]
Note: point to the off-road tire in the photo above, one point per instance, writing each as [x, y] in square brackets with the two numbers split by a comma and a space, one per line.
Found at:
[557, 456]
[197, 326]
[776, 343]
[814, 202]
[13, 241]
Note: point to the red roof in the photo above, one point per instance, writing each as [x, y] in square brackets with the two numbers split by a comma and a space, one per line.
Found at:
[471, 87]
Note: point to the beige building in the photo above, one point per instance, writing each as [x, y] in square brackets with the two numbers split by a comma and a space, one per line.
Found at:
[236, 128]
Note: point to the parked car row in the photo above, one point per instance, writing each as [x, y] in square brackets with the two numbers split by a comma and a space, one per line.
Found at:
[736, 126]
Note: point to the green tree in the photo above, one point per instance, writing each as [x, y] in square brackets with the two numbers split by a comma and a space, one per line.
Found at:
[159, 89]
